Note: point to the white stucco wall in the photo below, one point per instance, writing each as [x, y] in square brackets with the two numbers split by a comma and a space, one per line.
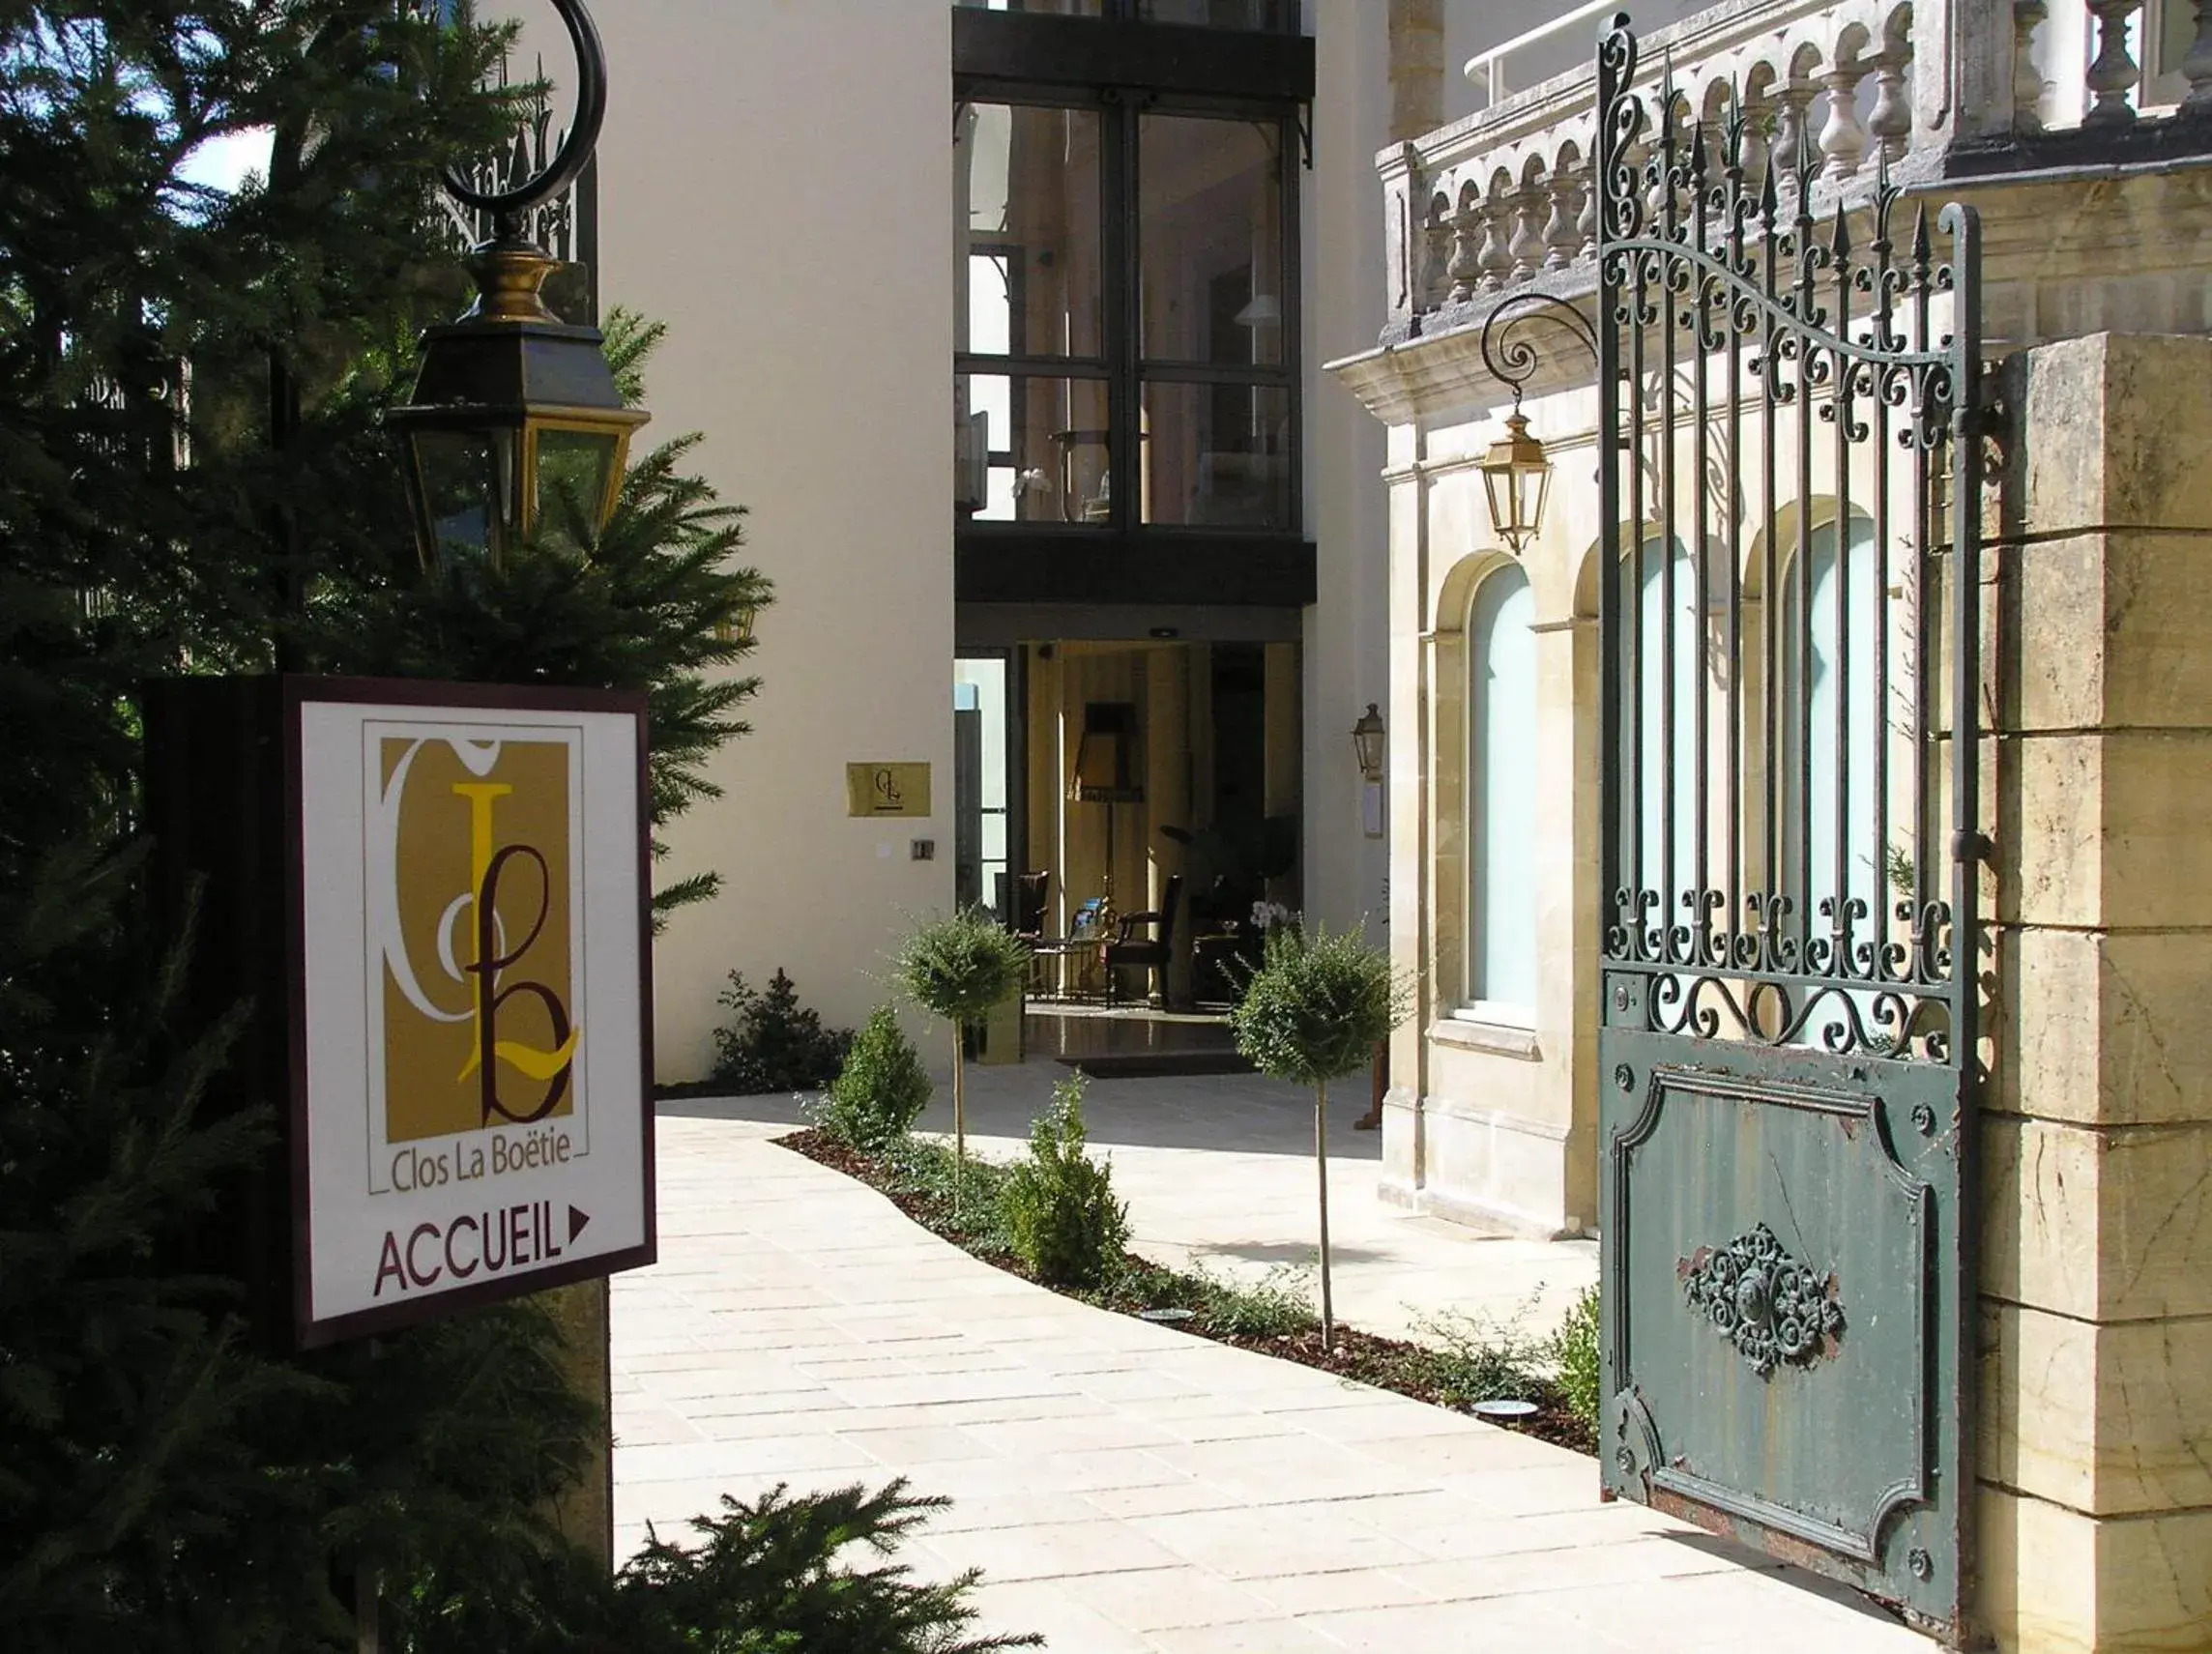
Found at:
[776, 185]
[1347, 637]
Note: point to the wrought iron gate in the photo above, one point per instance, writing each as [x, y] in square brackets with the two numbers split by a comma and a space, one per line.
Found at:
[1787, 1042]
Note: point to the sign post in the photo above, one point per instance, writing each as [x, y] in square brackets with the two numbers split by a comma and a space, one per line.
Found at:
[455, 977]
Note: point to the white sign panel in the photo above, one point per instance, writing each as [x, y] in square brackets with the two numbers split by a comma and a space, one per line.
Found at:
[472, 1065]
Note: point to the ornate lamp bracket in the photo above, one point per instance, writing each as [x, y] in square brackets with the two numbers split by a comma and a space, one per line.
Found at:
[1507, 349]
[510, 208]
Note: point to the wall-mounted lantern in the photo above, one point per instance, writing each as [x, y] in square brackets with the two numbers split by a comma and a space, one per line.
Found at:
[1367, 739]
[1367, 743]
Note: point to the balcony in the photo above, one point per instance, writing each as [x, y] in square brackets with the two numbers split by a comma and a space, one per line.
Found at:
[2009, 103]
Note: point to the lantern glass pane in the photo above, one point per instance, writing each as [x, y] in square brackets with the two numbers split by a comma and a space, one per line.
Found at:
[1367, 746]
[575, 471]
[1535, 490]
[1499, 485]
[462, 476]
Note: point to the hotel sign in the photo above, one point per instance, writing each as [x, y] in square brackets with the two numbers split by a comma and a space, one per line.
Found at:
[887, 790]
[472, 1071]
[470, 1054]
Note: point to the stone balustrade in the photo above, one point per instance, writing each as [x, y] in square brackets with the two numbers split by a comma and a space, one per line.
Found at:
[1921, 92]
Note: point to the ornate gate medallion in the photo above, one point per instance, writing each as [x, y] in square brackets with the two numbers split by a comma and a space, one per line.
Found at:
[1770, 1306]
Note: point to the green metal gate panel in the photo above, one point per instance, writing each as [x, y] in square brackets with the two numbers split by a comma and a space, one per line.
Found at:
[1783, 1335]
[1788, 375]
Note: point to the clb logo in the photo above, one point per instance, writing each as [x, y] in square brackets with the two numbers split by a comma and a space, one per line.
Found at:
[472, 922]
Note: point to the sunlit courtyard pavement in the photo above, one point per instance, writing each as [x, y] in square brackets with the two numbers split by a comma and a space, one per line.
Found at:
[1218, 1172]
[1124, 1486]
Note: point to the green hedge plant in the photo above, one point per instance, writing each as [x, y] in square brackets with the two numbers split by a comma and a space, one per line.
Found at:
[1314, 1011]
[1574, 1355]
[1059, 1204]
[880, 1091]
[773, 1043]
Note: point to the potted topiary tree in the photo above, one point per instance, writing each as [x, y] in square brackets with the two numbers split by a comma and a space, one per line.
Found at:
[1314, 1011]
[957, 969]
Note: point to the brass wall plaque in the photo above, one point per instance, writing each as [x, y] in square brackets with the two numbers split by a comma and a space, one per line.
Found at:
[887, 789]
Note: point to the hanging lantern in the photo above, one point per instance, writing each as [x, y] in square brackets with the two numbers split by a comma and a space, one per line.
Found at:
[1516, 476]
[515, 410]
[739, 628]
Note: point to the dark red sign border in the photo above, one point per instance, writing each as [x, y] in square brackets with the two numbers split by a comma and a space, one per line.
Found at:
[298, 692]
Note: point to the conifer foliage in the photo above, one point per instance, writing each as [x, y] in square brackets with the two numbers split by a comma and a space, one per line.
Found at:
[772, 1042]
[1062, 1214]
[166, 1483]
[880, 1091]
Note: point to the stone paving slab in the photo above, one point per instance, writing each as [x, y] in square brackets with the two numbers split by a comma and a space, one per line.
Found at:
[1126, 1487]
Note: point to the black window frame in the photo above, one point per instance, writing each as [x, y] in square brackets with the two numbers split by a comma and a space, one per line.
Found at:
[1124, 68]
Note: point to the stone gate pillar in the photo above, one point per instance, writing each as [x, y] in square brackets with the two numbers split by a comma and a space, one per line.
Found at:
[2095, 1426]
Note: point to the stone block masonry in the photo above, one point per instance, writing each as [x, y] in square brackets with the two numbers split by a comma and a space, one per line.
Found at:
[2095, 1431]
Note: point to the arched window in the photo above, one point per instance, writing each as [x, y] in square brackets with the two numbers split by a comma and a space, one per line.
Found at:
[1501, 795]
[1663, 627]
[1831, 719]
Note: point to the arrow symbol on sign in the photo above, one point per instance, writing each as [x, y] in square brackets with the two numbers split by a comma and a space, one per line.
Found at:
[576, 1222]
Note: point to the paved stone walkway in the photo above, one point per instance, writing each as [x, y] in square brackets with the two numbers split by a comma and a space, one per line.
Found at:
[1125, 1486]
[1218, 1170]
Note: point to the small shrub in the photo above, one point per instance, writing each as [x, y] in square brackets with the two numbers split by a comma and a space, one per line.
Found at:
[958, 968]
[1315, 1009]
[1482, 1360]
[1280, 1304]
[1318, 1005]
[779, 1573]
[773, 1043]
[881, 1089]
[1059, 1208]
[1574, 1358]
[926, 1171]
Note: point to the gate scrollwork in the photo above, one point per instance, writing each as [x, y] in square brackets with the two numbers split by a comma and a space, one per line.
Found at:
[1782, 372]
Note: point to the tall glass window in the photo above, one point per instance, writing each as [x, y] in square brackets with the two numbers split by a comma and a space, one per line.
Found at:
[981, 788]
[1034, 264]
[1501, 795]
[1216, 415]
[1127, 313]
[1030, 447]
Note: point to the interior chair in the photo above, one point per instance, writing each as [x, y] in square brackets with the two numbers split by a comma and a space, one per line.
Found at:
[1151, 953]
[1033, 892]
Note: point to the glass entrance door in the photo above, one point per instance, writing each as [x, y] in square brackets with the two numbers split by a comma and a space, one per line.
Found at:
[983, 783]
